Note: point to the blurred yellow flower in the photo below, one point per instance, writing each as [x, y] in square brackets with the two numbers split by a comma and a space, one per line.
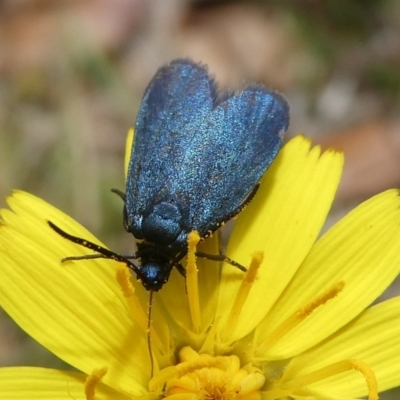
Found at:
[295, 326]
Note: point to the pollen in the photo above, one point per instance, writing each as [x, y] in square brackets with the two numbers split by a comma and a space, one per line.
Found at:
[204, 377]
[301, 314]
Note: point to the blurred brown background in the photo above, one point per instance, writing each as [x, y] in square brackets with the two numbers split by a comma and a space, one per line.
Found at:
[72, 73]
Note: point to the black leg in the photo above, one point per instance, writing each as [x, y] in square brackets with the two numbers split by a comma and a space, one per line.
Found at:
[220, 257]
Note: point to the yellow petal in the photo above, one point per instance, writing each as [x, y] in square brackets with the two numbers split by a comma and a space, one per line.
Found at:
[41, 383]
[76, 309]
[128, 149]
[363, 252]
[372, 338]
[283, 221]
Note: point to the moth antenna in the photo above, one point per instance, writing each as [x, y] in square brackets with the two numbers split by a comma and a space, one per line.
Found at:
[149, 332]
[104, 253]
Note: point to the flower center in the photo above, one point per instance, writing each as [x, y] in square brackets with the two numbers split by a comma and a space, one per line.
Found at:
[204, 377]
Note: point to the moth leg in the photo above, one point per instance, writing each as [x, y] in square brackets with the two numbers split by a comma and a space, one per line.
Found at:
[180, 269]
[220, 257]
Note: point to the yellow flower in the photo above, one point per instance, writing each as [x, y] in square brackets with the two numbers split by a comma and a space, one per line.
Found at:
[295, 326]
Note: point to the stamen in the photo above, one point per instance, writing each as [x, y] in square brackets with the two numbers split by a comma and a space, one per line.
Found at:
[300, 315]
[243, 293]
[208, 377]
[149, 331]
[135, 308]
[309, 308]
[192, 285]
[92, 381]
[208, 345]
[335, 369]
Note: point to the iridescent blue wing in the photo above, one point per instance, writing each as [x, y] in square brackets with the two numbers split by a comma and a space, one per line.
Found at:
[230, 152]
[200, 151]
[180, 94]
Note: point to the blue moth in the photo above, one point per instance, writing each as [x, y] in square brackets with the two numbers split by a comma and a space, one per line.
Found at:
[197, 157]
